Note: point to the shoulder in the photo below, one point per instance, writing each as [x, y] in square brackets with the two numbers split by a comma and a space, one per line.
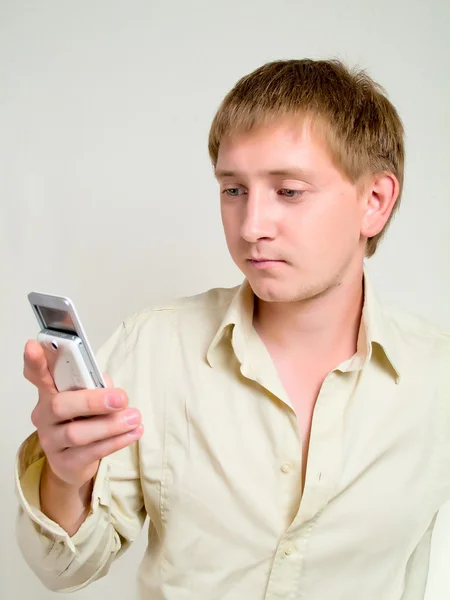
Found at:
[210, 300]
[150, 335]
[414, 327]
[421, 342]
[200, 314]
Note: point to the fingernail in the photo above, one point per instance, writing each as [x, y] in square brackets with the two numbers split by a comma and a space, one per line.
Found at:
[113, 400]
[132, 417]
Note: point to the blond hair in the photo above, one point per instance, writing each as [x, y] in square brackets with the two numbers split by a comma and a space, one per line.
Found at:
[362, 128]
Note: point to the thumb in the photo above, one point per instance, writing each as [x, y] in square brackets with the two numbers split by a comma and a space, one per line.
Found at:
[35, 367]
[108, 380]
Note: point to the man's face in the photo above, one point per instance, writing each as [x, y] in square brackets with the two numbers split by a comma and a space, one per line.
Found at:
[292, 220]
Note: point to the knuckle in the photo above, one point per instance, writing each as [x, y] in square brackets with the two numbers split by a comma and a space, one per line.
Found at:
[35, 416]
[93, 402]
[72, 434]
[28, 374]
[57, 407]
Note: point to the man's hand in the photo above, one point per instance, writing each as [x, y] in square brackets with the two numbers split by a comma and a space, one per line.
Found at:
[76, 429]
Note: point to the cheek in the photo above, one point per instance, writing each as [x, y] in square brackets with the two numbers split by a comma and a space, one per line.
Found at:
[226, 220]
[231, 226]
[342, 232]
[327, 226]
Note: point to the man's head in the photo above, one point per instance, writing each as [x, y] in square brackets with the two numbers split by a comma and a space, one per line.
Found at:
[309, 157]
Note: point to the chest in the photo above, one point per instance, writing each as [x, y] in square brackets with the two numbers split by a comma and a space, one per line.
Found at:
[302, 387]
[225, 489]
[232, 456]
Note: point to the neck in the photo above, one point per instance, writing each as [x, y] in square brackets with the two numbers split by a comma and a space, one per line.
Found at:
[326, 325]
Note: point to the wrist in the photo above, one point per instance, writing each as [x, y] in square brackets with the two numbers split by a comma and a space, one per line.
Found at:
[63, 489]
[65, 503]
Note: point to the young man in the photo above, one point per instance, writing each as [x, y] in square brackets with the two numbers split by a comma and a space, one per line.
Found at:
[288, 438]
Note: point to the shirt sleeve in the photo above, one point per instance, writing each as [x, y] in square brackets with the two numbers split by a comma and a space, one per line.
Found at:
[116, 515]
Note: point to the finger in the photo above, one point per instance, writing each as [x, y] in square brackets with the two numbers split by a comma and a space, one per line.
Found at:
[87, 431]
[86, 403]
[108, 380]
[36, 369]
[81, 457]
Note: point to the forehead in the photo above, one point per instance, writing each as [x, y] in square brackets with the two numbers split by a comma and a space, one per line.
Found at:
[285, 143]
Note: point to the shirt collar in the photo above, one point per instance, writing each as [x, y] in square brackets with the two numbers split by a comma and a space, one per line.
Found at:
[376, 328]
[379, 328]
[236, 325]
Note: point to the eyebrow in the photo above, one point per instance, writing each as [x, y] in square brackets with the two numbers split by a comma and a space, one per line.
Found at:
[293, 173]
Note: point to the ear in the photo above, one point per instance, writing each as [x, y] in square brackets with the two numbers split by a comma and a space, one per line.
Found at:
[380, 196]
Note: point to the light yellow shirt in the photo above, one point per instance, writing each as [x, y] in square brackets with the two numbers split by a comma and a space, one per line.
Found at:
[218, 470]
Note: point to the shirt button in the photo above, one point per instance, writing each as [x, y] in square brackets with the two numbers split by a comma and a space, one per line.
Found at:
[289, 549]
[286, 468]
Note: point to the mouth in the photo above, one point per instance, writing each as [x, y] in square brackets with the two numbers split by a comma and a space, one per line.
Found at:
[265, 263]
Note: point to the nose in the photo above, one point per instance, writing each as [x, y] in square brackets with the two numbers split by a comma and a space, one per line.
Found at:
[259, 218]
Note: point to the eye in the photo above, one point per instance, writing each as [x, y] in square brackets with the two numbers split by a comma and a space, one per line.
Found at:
[291, 193]
[233, 192]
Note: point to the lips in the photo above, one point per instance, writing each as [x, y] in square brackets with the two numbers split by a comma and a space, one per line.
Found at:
[265, 263]
[257, 260]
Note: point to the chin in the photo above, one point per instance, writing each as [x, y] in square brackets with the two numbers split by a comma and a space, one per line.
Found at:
[273, 290]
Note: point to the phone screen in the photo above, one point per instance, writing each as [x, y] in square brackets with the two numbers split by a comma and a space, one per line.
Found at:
[54, 318]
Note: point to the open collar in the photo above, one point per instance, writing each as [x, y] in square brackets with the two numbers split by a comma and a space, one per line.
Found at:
[236, 328]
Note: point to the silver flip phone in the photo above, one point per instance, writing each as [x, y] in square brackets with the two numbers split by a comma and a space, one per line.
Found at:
[69, 356]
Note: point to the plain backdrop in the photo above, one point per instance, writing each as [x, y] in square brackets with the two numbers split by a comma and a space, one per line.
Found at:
[107, 194]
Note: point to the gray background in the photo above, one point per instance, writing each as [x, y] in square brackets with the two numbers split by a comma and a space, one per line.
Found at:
[107, 195]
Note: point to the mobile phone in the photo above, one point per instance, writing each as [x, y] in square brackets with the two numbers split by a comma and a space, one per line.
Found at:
[69, 356]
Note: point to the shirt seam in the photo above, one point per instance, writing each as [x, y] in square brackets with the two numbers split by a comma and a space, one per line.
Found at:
[297, 591]
[164, 464]
[175, 309]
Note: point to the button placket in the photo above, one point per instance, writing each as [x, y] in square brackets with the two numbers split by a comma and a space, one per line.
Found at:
[285, 571]
[289, 549]
[325, 451]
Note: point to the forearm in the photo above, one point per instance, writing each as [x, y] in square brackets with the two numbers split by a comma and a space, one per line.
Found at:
[64, 504]
[65, 562]
[68, 564]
